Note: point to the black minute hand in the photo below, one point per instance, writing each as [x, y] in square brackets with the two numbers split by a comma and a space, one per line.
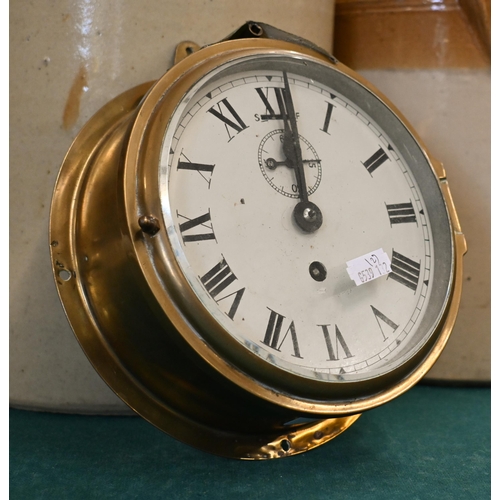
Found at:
[306, 214]
[291, 143]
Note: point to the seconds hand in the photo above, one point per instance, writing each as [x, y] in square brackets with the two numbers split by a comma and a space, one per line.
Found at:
[306, 214]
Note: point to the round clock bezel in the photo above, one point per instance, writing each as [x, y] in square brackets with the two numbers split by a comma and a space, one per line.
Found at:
[182, 306]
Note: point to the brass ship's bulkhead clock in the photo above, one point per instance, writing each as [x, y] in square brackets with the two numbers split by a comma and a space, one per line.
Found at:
[256, 248]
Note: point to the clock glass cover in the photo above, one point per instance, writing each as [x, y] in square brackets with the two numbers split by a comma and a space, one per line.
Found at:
[263, 138]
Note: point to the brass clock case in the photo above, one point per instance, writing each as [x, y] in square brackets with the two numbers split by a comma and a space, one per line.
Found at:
[142, 326]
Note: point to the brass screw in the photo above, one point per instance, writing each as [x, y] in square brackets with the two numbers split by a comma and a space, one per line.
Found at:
[149, 224]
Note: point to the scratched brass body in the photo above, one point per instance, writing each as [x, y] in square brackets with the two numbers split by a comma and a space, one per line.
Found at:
[139, 322]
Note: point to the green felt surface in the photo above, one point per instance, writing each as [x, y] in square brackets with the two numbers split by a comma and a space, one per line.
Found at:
[432, 442]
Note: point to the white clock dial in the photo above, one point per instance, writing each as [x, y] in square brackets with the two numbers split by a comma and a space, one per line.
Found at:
[229, 190]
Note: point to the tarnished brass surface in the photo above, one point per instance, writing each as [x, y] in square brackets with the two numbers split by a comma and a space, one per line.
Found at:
[138, 320]
[304, 438]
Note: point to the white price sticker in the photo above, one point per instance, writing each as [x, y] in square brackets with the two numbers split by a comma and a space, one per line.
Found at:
[369, 267]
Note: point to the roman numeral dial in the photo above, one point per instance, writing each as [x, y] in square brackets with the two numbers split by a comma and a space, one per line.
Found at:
[231, 185]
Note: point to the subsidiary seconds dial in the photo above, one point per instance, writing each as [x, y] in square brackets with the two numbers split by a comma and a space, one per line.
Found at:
[270, 157]
[279, 122]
